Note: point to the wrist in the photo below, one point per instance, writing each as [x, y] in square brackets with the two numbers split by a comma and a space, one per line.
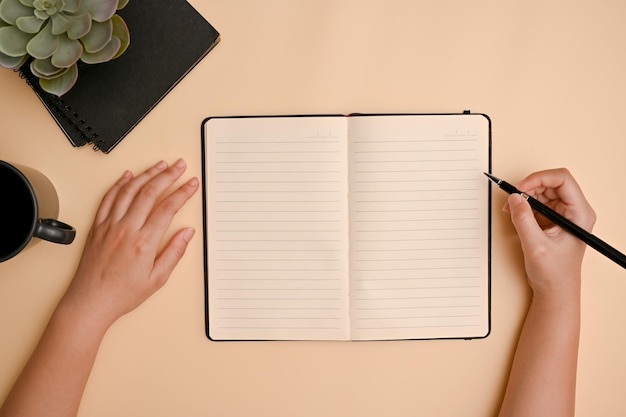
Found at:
[558, 300]
[555, 284]
[79, 313]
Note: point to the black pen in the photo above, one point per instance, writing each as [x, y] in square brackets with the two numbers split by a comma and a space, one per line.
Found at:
[590, 239]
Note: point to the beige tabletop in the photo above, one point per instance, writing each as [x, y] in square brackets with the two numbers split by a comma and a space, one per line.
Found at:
[551, 75]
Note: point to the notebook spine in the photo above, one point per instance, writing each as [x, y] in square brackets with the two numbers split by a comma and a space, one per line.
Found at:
[64, 115]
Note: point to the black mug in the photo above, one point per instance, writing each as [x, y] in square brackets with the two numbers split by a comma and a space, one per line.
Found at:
[29, 205]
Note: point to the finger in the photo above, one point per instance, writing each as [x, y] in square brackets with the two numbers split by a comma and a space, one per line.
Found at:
[553, 184]
[558, 189]
[129, 190]
[523, 219]
[167, 260]
[148, 196]
[109, 198]
[161, 217]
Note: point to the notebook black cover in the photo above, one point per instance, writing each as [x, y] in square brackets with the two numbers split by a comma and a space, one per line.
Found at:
[167, 39]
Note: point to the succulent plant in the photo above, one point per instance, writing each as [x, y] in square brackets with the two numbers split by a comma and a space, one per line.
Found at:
[59, 33]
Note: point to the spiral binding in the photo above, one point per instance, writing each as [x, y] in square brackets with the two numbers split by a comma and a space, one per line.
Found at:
[60, 109]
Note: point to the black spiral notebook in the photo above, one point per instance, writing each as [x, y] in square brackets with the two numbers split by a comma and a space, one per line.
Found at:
[168, 38]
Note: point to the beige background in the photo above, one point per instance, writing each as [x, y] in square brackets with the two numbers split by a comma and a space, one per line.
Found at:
[551, 75]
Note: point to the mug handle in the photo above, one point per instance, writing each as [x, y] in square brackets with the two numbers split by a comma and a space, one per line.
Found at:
[54, 231]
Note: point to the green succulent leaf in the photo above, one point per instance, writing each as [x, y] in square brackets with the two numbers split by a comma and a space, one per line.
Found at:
[68, 53]
[98, 37]
[100, 10]
[10, 10]
[11, 62]
[29, 24]
[43, 44]
[122, 4]
[41, 14]
[120, 31]
[13, 41]
[60, 24]
[61, 84]
[28, 3]
[103, 55]
[71, 6]
[48, 7]
[3, 23]
[80, 25]
[43, 68]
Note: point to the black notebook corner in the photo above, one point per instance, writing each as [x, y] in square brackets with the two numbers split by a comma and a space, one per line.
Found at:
[168, 39]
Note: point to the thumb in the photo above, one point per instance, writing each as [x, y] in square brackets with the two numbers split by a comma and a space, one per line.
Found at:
[524, 220]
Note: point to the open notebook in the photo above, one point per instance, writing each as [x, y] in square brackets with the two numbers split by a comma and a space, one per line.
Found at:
[363, 227]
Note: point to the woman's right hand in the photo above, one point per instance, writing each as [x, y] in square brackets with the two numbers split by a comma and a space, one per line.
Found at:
[552, 255]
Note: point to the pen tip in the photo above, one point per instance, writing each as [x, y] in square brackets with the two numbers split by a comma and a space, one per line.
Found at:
[491, 177]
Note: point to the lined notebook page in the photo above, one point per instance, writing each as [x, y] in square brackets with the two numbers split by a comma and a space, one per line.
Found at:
[277, 228]
[419, 226]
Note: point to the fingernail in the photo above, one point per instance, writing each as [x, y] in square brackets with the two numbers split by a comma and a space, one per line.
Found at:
[161, 165]
[180, 163]
[188, 234]
[126, 174]
[193, 182]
